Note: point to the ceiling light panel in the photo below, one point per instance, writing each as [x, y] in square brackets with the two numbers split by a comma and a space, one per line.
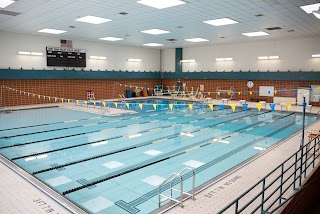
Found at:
[220, 22]
[153, 44]
[259, 33]
[196, 40]
[161, 4]
[52, 31]
[155, 31]
[316, 56]
[111, 39]
[310, 8]
[5, 3]
[93, 20]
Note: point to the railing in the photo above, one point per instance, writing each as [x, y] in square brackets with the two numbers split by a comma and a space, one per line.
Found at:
[272, 192]
[173, 177]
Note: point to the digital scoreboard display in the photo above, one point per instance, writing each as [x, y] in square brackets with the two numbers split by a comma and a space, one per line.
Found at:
[66, 57]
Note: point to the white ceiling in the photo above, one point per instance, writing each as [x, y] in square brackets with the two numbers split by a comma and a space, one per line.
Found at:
[60, 14]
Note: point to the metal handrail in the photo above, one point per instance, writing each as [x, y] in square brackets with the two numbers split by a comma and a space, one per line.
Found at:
[173, 177]
[311, 145]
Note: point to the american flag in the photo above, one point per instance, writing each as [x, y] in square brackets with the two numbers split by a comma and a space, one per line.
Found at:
[66, 43]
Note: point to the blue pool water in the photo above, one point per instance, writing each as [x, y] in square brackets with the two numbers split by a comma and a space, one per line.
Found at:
[115, 164]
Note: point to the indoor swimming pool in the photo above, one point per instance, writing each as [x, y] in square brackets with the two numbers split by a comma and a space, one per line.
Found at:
[114, 164]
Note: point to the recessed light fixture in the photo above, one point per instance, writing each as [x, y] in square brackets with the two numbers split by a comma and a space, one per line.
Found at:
[123, 13]
[268, 57]
[310, 8]
[98, 57]
[30, 53]
[220, 22]
[111, 39]
[52, 31]
[259, 33]
[316, 55]
[93, 20]
[224, 59]
[36, 54]
[162, 3]
[24, 53]
[155, 31]
[196, 40]
[153, 44]
[188, 60]
[134, 60]
[5, 3]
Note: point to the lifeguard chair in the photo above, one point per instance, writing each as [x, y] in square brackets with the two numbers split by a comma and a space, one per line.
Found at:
[90, 94]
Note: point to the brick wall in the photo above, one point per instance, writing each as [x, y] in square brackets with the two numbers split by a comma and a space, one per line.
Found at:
[241, 85]
[305, 201]
[73, 89]
[106, 89]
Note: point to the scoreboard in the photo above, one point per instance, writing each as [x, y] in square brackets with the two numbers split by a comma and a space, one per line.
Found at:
[66, 57]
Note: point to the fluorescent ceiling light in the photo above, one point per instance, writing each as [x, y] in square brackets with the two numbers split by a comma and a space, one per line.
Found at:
[161, 4]
[153, 44]
[111, 39]
[155, 31]
[24, 53]
[52, 31]
[268, 57]
[196, 40]
[97, 57]
[36, 54]
[316, 55]
[188, 60]
[224, 59]
[220, 22]
[135, 135]
[134, 60]
[93, 20]
[310, 8]
[252, 34]
[5, 3]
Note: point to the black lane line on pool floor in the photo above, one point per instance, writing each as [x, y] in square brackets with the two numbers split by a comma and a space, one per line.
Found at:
[133, 146]
[131, 206]
[157, 159]
[112, 138]
[82, 133]
[70, 121]
[61, 137]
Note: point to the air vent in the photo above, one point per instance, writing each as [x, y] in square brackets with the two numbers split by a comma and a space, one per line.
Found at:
[258, 15]
[9, 13]
[290, 31]
[171, 40]
[274, 28]
[123, 13]
[222, 37]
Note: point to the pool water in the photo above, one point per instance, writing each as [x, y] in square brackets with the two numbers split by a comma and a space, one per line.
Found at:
[115, 164]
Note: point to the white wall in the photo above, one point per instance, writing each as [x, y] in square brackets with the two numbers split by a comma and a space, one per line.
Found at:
[294, 55]
[168, 57]
[117, 55]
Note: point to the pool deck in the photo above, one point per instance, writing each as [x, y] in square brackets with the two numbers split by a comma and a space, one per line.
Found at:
[20, 196]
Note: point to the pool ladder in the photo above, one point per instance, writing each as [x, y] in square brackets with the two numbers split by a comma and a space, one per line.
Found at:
[173, 177]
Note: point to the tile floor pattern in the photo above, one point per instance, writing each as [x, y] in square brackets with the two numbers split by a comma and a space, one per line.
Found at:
[19, 196]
